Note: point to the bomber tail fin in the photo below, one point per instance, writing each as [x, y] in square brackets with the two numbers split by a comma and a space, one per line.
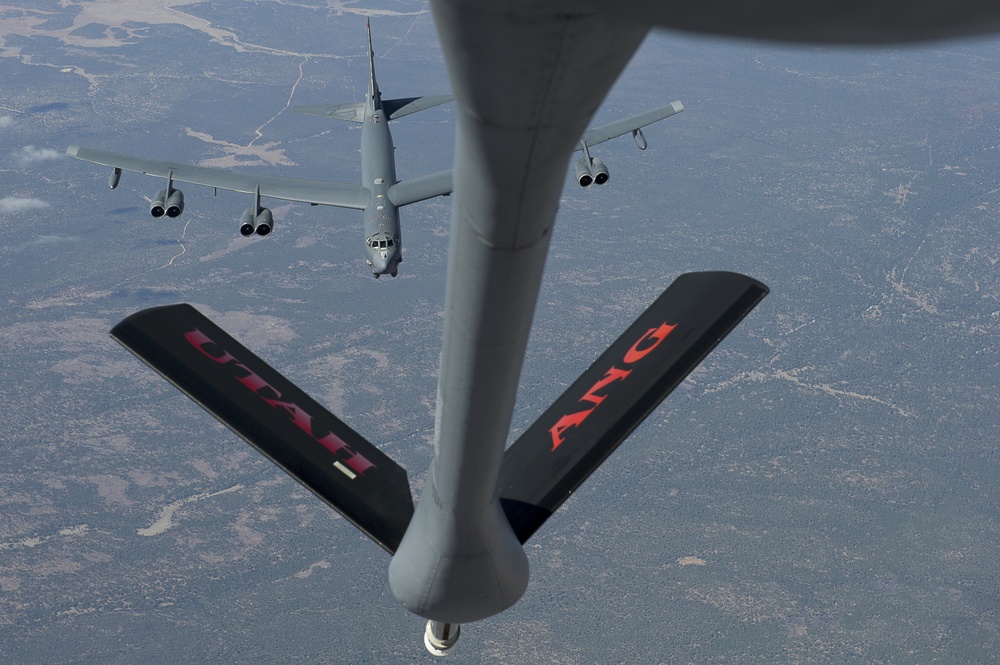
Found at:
[597, 413]
[373, 93]
[394, 108]
[274, 416]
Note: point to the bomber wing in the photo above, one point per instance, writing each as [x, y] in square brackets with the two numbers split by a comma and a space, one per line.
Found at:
[316, 192]
[421, 188]
[632, 124]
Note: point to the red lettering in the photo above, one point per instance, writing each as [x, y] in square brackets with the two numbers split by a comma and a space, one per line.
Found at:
[614, 374]
[359, 464]
[643, 347]
[300, 417]
[333, 443]
[635, 354]
[255, 383]
[572, 420]
[198, 340]
[575, 419]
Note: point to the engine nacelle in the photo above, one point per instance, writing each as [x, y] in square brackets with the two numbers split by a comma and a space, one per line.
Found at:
[247, 222]
[583, 174]
[115, 178]
[158, 205]
[265, 222]
[175, 203]
[600, 172]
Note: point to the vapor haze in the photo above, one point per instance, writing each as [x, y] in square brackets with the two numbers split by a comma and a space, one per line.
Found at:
[18, 204]
[29, 155]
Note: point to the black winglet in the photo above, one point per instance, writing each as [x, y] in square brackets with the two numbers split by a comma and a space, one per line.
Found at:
[274, 416]
[602, 407]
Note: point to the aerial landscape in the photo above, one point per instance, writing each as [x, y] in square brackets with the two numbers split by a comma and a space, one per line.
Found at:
[822, 489]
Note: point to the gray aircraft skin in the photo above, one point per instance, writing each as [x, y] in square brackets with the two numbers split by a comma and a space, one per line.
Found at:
[527, 79]
[379, 195]
[383, 237]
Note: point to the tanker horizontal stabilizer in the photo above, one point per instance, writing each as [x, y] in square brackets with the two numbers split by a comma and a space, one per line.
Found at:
[274, 416]
[598, 412]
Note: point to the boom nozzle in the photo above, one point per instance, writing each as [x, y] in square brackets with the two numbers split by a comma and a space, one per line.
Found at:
[440, 638]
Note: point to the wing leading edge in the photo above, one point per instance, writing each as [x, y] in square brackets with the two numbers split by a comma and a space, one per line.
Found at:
[316, 192]
[632, 124]
[274, 416]
[597, 413]
[421, 188]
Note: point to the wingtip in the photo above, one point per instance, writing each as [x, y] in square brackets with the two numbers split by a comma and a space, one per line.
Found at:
[72, 150]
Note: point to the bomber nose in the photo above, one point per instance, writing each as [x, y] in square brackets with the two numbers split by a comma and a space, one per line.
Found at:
[380, 262]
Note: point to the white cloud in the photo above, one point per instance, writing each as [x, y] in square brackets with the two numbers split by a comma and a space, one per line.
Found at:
[29, 154]
[18, 204]
[49, 239]
[6, 121]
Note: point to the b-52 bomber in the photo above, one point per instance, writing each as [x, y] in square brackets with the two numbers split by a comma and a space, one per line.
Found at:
[379, 195]
[528, 78]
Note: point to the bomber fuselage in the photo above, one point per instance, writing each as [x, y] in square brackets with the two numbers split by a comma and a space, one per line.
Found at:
[383, 242]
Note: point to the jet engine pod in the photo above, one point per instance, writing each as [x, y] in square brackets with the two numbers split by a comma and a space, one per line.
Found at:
[600, 171]
[246, 222]
[265, 222]
[157, 205]
[116, 177]
[583, 174]
[175, 203]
